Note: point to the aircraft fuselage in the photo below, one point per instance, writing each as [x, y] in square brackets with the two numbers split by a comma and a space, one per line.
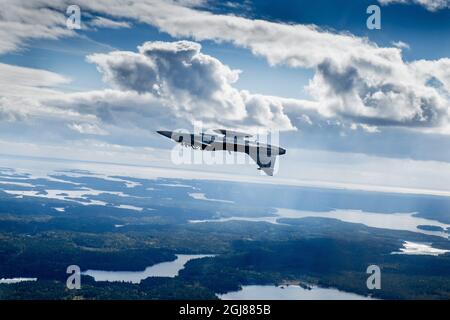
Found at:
[263, 154]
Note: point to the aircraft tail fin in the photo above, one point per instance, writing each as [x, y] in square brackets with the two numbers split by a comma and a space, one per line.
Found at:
[264, 159]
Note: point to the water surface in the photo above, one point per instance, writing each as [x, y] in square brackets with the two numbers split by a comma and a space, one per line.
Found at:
[392, 221]
[164, 269]
[291, 292]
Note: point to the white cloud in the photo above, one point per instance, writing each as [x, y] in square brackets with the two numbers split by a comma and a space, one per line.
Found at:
[23, 89]
[88, 128]
[355, 79]
[120, 111]
[193, 85]
[432, 5]
[19, 81]
[102, 22]
[365, 127]
[24, 20]
[401, 45]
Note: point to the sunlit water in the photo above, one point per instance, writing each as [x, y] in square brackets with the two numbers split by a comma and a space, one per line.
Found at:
[165, 269]
[15, 280]
[392, 221]
[291, 292]
[422, 249]
[202, 196]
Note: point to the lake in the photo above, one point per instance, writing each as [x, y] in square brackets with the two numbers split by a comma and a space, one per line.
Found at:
[423, 249]
[164, 269]
[15, 280]
[291, 292]
[392, 221]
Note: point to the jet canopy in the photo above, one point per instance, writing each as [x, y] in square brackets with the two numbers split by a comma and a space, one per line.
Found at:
[231, 133]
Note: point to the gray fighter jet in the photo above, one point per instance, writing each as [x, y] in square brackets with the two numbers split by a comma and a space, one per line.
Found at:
[265, 155]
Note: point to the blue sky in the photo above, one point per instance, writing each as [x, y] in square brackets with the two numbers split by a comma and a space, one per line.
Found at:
[323, 87]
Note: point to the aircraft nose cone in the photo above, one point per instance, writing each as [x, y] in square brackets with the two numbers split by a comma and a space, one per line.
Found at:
[167, 134]
[282, 151]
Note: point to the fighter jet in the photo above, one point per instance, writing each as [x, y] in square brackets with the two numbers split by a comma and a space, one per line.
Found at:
[265, 155]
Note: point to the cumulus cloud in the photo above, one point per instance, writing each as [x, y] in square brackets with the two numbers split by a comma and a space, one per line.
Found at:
[194, 85]
[169, 85]
[375, 95]
[355, 78]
